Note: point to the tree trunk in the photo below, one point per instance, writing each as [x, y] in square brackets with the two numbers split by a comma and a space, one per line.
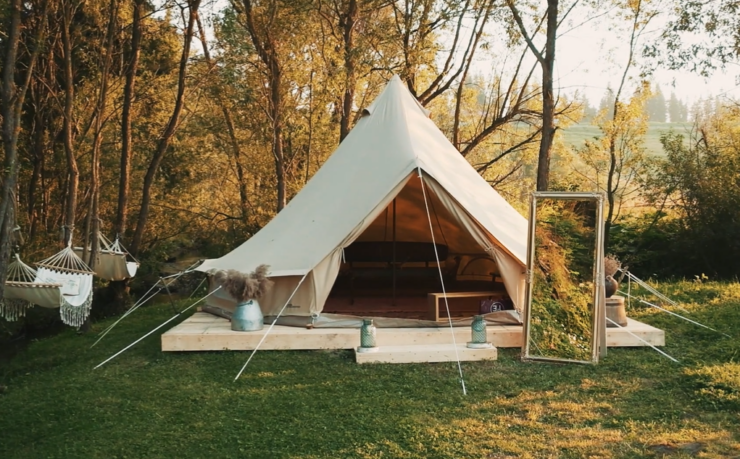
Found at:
[11, 130]
[68, 135]
[169, 131]
[120, 289]
[107, 61]
[128, 98]
[39, 146]
[548, 98]
[235, 149]
[11, 104]
[277, 148]
[347, 21]
[465, 69]
[611, 186]
[265, 46]
[547, 62]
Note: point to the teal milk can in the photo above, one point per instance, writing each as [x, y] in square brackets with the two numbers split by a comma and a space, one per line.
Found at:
[247, 316]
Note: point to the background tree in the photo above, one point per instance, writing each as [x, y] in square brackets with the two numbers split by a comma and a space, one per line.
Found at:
[696, 183]
[619, 132]
[606, 104]
[12, 97]
[266, 23]
[589, 112]
[700, 36]
[677, 110]
[130, 69]
[615, 160]
[546, 59]
[67, 11]
[656, 105]
[164, 141]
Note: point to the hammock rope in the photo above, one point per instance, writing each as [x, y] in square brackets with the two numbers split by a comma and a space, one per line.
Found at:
[65, 261]
[112, 261]
[19, 273]
[116, 246]
[65, 267]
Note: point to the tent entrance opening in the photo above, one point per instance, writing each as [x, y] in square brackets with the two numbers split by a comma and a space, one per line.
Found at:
[392, 267]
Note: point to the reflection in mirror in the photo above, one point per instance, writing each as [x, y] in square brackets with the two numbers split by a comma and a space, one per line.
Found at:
[564, 294]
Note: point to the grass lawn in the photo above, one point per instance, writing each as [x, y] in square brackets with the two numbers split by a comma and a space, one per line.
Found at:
[576, 134]
[320, 404]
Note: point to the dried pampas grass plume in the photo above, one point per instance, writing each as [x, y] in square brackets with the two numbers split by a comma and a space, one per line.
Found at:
[611, 265]
[242, 286]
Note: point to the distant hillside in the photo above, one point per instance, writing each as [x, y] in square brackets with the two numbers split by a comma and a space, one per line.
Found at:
[576, 134]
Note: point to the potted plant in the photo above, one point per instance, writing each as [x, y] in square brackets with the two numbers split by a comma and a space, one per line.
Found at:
[246, 289]
[611, 266]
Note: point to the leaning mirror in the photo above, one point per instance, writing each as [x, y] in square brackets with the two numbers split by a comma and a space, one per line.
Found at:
[564, 303]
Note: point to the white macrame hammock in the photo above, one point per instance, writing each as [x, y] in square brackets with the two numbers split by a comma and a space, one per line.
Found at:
[112, 261]
[62, 281]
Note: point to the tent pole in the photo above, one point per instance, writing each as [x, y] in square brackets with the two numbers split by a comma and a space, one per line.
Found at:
[393, 263]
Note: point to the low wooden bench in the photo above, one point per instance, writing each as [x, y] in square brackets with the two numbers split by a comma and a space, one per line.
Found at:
[433, 300]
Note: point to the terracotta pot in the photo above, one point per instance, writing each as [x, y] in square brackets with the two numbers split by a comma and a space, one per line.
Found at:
[610, 286]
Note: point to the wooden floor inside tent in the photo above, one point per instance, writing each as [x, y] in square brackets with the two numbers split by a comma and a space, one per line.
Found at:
[206, 332]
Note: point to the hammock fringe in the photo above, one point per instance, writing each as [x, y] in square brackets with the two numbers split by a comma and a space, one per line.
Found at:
[13, 309]
[75, 316]
[63, 263]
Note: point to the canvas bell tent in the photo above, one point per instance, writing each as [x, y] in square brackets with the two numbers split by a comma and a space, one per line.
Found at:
[392, 214]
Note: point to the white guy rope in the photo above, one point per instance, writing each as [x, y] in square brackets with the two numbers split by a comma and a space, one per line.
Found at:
[650, 289]
[444, 292]
[270, 328]
[146, 298]
[133, 308]
[160, 326]
[677, 315]
[655, 348]
[197, 287]
[187, 270]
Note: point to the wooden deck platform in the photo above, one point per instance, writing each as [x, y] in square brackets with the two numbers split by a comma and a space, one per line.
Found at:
[426, 353]
[206, 332]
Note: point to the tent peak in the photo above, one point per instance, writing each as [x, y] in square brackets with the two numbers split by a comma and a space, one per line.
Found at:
[394, 89]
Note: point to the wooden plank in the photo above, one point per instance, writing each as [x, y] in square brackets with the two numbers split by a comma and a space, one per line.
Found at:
[464, 294]
[204, 317]
[425, 354]
[621, 337]
[433, 300]
[195, 334]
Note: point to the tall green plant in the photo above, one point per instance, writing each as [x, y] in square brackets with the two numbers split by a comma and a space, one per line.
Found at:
[698, 181]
